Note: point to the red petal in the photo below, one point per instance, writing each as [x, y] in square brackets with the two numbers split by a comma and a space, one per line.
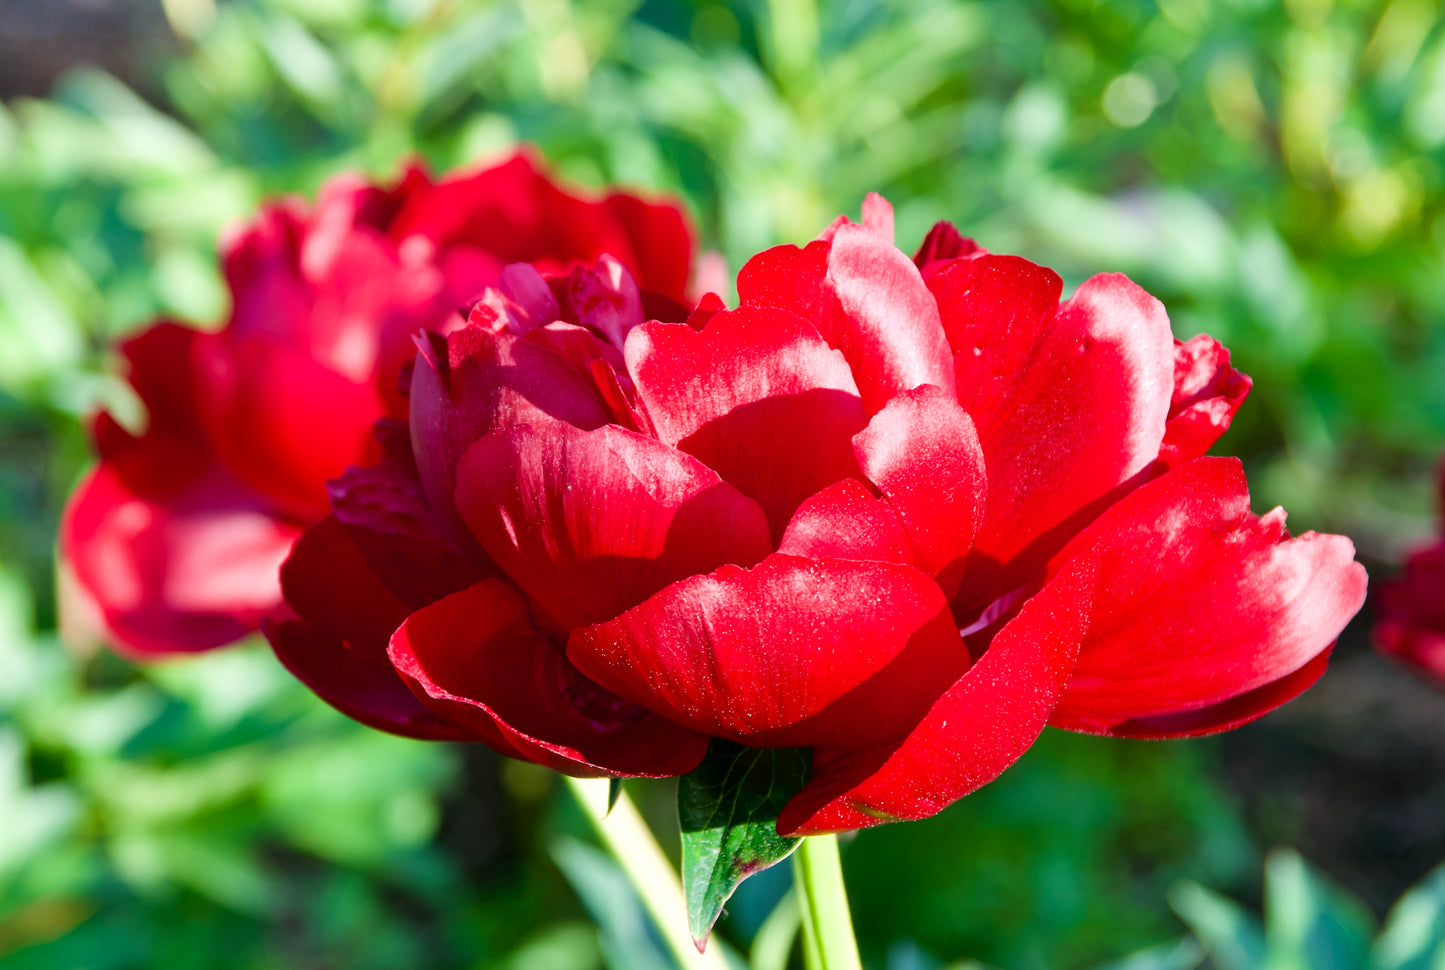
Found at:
[757, 396]
[395, 530]
[1199, 601]
[793, 653]
[980, 726]
[943, 243]
[845, 521]
[924, 456]
[590, 523]
[662, 240]
[280, 419]
[1068, 408]
[1207, 393]
[867, 300]
[485, 381]
[192, 569]
[1230, 714]
[476, 660]
[338, 646]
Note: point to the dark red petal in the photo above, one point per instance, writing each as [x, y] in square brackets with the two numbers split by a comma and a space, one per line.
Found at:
[337, 647]
[476, 660]
[590, 523]
[757, 396]
[388, 518]
[1069, 409]
[980, 726]
[192, 569]
[867, 300]
[1207, 393]
[943, 243]
[923, 454]
[792, 653]
[1411, 624]
[846, 521]
[1199, 601]
[483, 381]
[362, 691]
[1230, 714]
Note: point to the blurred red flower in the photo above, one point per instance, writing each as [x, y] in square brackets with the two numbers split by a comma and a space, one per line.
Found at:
[175, 538]
[902, 513]
[1411, 623]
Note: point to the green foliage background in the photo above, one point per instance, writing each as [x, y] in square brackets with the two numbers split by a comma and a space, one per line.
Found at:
[1272, 171]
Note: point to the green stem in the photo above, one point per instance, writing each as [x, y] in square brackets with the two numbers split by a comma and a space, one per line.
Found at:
[828, 942]
[631, 844]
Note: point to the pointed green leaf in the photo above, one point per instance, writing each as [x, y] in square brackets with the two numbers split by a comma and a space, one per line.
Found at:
[614, 792]
[1232, 937]
[1414, 934]
[729, 809]
[1310, 922]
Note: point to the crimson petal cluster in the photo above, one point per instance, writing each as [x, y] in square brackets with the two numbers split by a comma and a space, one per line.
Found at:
[174, 540]
[903, 513]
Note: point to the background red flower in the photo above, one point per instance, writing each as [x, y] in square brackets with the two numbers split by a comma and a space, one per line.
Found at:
[175, 538]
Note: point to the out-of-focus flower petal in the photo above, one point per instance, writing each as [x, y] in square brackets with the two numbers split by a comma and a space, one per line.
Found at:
[982, 724]
[190, 569]
[755, 395]
[1411, 625]
[1199, 601]
[792, 653]
[590, 523]
[476, 660]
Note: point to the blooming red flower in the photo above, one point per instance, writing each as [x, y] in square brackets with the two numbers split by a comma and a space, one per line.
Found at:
[175, 538]
[1411, 624]
[902, 513]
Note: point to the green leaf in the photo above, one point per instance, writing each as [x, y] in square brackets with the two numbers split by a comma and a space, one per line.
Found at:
[1414, 934]
[614, 792]
[729, 809]
[1310, 923]
[1232, 937]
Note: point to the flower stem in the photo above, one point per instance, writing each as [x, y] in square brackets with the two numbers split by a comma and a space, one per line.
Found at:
[631, 844]
[828, 942]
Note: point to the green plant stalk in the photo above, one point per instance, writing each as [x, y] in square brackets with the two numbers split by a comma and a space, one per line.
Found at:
[630, 842]
[828, 942]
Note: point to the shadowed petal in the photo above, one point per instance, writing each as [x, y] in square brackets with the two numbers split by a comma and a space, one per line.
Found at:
[792, 653]
[476, 660]
[590, 523]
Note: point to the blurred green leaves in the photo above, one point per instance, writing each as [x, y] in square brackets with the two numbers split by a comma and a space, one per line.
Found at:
[1312, 924]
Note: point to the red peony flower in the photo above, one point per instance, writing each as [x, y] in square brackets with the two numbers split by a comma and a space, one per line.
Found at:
[1411, 624]
[901, 513]
[175, 538]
